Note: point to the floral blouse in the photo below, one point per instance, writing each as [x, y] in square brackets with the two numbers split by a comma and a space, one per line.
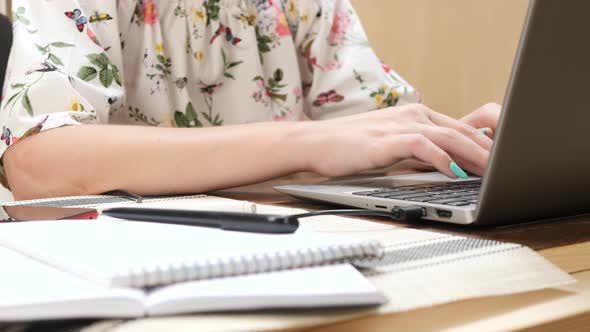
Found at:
[189, 63]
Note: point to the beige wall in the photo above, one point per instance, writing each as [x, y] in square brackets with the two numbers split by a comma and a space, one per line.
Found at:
[458, 53]
[3, 6]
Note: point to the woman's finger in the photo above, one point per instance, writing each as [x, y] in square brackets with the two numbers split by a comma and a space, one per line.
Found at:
[472, 133]
[420, 147]
[489, 132]
[469, 166]
[457, 144]
[485, 116]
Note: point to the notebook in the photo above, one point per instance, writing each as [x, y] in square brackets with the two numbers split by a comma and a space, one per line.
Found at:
[100, 202]
[116, 253]
[34, 291]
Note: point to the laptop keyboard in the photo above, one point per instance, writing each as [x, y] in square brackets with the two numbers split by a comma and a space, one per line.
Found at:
[450, 193]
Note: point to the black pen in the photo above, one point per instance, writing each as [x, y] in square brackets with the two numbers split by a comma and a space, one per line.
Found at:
[229, 221]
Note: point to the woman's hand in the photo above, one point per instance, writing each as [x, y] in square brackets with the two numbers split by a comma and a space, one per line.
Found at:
[485, 117]
[382, 138]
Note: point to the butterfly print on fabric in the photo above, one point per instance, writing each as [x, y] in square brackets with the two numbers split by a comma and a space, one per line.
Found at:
[229, 36]
[6, 135]
[328, 97]
[76, 16]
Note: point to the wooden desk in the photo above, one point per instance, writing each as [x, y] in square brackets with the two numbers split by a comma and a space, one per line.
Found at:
[566, 243]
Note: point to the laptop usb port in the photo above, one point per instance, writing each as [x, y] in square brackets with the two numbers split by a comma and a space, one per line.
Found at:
[444, 213]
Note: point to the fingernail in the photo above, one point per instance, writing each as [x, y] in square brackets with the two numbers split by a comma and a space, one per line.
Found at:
[484, 131]
[458, 171]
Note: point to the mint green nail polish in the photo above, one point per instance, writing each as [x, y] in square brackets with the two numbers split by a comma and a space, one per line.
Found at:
[483, 130]
[458, 171]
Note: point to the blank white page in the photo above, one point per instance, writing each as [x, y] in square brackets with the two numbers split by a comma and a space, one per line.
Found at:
[122, 253]
[314, 287]
[31, 290]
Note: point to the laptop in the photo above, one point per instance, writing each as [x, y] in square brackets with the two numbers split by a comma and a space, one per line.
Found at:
[539, 166]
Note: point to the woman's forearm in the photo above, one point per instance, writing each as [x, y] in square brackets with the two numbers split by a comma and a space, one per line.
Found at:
[91, 159]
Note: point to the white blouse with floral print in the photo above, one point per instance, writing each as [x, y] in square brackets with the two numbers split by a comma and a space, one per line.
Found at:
[189, 63]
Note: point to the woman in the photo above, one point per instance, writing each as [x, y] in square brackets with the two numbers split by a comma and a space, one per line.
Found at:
[197, 95]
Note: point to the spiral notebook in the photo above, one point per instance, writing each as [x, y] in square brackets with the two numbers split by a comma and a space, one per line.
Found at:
[31, 290]
[116, 253]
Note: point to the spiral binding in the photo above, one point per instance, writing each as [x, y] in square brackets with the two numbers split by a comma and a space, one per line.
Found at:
[67, 201]
[52, 200]
[242, 265]
[153, 199]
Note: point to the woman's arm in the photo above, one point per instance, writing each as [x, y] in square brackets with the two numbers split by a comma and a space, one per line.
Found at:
[90, 159]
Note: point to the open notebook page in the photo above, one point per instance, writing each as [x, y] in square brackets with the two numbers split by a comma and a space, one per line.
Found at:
[33, 291]
[122, 253]
[315, 287]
